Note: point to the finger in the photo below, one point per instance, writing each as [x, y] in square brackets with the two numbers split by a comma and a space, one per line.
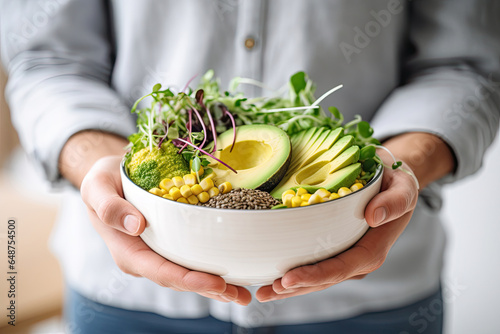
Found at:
[237, 294]
[133, 256]
[399, 196]
[267, 293]
[366, 256]
[358, 277]
[101, 192]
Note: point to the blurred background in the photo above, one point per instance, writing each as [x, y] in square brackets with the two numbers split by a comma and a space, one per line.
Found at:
[472, 211]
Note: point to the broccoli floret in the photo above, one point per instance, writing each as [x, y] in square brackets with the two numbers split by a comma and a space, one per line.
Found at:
[146, 175]
[147, 168]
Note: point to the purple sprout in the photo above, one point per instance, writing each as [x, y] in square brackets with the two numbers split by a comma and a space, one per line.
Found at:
[226, 112]
[204, 152]
[199, 99]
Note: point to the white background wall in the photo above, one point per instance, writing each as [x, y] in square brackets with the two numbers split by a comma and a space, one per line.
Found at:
[472, 273]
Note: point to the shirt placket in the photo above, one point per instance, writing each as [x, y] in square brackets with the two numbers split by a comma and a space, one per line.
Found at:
[249, 43]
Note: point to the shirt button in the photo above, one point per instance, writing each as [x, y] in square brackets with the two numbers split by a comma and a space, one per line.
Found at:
[250, 43]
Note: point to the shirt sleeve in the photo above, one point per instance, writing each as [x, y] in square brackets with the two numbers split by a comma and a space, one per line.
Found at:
[58, 57]
[451, 80]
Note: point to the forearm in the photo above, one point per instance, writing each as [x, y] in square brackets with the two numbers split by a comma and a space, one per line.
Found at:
[428, 156]
[83, 149]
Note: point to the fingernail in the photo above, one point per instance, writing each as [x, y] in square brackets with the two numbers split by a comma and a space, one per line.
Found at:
[379, 215]
[131, 224]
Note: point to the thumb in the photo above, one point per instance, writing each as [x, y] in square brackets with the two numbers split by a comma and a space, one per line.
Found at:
[399, 197]
[102, 195]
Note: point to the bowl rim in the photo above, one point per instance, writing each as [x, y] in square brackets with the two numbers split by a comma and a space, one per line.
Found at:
[378, 174]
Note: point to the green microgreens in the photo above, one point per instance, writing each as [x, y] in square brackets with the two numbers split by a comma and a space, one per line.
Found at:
[193, 119]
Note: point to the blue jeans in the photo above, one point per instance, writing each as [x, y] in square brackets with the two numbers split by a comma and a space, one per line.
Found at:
[84, 316]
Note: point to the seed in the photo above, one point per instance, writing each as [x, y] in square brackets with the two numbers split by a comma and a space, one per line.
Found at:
[242, 199]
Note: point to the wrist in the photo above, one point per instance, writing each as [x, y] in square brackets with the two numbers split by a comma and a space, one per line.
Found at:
[429, 157]
[83, 149]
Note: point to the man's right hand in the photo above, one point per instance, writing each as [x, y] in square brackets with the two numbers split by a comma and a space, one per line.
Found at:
[119, 223]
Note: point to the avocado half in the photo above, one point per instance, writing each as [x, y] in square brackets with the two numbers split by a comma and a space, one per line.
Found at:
[261, 156]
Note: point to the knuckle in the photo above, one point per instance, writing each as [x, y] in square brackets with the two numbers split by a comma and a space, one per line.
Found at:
[123, 266]
[308, 273]
[159, 278]
[376, 263]
[105, 210]
[339, 275]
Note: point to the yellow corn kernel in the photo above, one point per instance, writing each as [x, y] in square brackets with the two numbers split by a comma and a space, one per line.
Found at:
[212, 175]
[363, 173]
[225, 187]
[178, 181]
[186, 191]
[182, 200]
[166, 184]
[207, 183]
[287, 200]
[296, 201]
[306, 197]
[356, 186]
[196, 189]
[168, 196]
[156, 191]
[301, 191]
[344, 191]
[203, 197]
[189, 179]
[315, 198]
[304, 203]
[323, 193]
[334, 196]
[214, 191]
[193, 199]
[175, 193]
[286, 193]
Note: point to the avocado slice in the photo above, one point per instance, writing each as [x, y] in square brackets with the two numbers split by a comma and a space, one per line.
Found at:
[296, 138]
[302, 146]
[312, 175]
[340, 155]
[344, 177]
[313, 146]
[340, 146]
[319, 148]
[261, 156]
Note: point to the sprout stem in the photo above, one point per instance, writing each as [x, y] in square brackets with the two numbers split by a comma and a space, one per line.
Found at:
[189, 81]
[324, 96]
[206, 153]
[288, 109]
[234, 126]
[402, 169]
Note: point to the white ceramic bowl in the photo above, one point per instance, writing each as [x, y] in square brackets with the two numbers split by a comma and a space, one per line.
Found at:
[250, 247]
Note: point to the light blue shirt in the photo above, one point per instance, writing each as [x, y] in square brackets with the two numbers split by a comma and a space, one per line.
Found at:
[431, 66]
